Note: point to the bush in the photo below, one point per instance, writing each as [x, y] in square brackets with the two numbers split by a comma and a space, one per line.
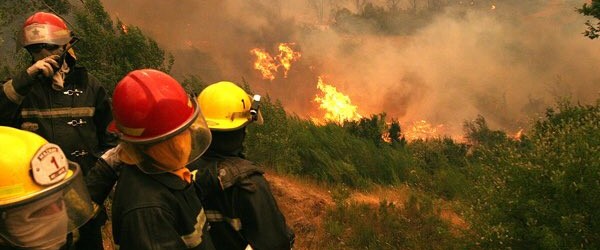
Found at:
[439, 166]
[544, 194]
[351, 225]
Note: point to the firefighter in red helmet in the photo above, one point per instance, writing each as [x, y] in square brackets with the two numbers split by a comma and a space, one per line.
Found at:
[59, 100]
[161, 129]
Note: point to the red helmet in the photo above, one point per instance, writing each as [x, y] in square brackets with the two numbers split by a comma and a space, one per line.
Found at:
[149, 106]
[43, 27]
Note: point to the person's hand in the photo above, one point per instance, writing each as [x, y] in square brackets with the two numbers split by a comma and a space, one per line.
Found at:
[44, 66]
[111, 156]
[112, 160]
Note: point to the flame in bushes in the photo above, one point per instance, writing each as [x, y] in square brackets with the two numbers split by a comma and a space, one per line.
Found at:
[422, 130]
[337, 106]
[269, 65]
[518, 135]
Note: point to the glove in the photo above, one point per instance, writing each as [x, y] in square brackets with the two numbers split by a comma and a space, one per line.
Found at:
[103, 176]
[44, 66]
[111, 158]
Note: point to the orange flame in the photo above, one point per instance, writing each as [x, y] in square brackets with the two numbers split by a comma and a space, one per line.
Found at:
[386, 137]
[338, 106]
[518, 135]
[264, 63]
[124, 28]
[268, 65]
[286, 56]
[422, 130]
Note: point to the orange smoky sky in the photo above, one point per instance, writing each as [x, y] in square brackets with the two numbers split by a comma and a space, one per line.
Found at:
[507, 62]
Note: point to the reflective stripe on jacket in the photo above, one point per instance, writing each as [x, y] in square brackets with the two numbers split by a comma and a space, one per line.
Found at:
[74, 118]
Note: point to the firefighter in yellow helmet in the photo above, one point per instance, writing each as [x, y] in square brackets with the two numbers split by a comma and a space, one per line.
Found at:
[42, 195]
[238, 201]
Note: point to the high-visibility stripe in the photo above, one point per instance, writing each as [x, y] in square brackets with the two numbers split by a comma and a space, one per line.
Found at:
[11, 93]
[195, 238]
[216, 216]
[58, 112]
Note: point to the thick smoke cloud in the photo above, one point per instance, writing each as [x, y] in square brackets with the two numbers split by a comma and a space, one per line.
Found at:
[507, 64]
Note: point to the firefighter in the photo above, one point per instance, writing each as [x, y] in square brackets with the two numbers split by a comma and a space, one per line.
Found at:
[239, 204]
[42, 194]
[160, 130]
[60, 101]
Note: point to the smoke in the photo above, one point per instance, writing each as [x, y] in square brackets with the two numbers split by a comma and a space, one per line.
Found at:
[507, 64]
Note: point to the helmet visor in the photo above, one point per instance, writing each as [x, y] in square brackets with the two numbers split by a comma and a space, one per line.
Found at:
[44, 220]
[176, 151]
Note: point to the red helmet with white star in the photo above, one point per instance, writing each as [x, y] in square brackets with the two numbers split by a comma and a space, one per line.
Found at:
[43, 27]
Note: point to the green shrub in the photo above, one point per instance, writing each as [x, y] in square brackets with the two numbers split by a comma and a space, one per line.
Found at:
[351, 225]
[542, 193]
[439, 166]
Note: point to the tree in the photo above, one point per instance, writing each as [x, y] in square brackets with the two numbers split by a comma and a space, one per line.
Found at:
[124, 48]
[478, 133]
[593, 10]
[368, 128]
[395, 134]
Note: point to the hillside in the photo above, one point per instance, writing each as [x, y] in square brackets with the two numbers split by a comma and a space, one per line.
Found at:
[305, 205]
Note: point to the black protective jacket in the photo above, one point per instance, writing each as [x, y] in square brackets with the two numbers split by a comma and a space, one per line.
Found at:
[74, 118]
[239, 205]
[158, 211]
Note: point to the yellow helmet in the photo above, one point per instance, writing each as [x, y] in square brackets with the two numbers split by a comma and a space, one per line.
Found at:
[36, 176]
[227, 107]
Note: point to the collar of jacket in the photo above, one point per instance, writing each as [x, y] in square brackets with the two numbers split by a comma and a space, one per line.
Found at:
[170, 180]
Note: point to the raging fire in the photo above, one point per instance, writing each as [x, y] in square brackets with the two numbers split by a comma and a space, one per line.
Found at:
[337, 106]
[422, 130]
[286, 56]
[269, 65]
[264, 63]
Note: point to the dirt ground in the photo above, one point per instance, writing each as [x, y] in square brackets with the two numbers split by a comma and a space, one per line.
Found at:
[304, 206]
